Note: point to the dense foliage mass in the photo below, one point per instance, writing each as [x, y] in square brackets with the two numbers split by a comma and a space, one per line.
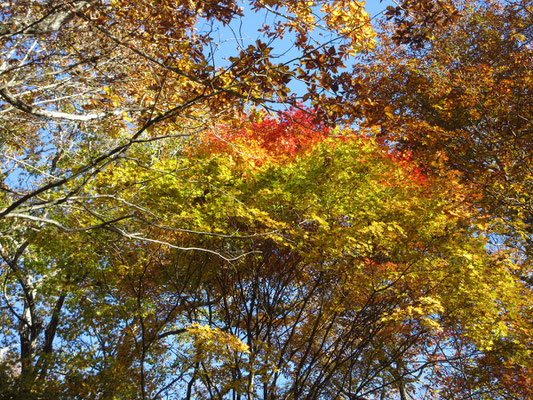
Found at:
[463, 103]
[166, 232]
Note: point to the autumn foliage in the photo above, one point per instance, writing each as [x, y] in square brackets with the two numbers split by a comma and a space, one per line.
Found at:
[286, 216]
[266, 138]
[331, 250]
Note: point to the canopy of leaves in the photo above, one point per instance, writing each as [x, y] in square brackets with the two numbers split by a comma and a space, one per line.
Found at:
[463, 102]
[332, 267]
[165, 234]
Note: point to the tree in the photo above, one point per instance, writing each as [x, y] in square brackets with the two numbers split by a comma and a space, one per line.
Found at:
[90, 85]
[462, 102]
[138, 260]
[344, 273]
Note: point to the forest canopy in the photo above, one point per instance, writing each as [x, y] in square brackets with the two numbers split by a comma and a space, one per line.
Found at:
[338, 208]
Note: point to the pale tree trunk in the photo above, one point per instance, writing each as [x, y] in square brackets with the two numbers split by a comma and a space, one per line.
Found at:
[30, 328]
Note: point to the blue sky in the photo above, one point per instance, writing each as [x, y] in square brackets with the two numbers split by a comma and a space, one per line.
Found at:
[374, 7]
